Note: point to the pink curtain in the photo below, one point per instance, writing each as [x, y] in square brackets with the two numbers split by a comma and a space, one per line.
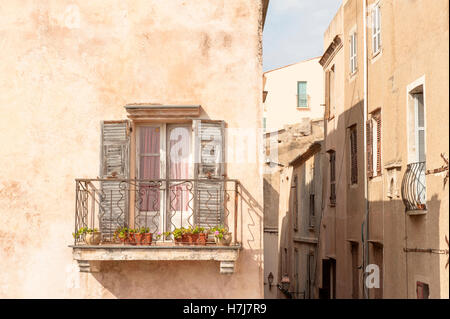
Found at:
[149, 168]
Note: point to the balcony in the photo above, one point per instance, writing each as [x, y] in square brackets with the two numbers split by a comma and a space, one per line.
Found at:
[160, 206]
[414, 189]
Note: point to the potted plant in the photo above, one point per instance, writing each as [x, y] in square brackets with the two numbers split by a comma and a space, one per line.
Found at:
[122, 234]
[202, 235]
[131, 236]
[91, 235]
[221, 236]
[178, 235]
[143, 236]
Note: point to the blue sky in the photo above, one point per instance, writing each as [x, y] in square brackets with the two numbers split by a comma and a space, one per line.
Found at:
[294, 30]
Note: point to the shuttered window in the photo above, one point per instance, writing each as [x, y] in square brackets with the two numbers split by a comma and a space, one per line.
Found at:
[332, 177]
[376, 29]
[374, 144]
[327, 95]
[369, 148]
[302, 96]
[378, 120]
[353, 155]
[311, 210]
[209, 158]
[114, 164]
[295, 202]
[353, 64]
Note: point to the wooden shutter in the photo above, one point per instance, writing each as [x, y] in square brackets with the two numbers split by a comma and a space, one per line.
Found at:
[369, 148]
[114, 165]
[353, 155]
[295, 202]
[379, 144]
[209, 171]
[327, 95]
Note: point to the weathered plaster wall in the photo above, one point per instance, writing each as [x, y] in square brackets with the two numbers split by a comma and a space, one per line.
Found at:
[67, 65]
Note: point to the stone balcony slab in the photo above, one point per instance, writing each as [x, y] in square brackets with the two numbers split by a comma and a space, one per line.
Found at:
[89, 258]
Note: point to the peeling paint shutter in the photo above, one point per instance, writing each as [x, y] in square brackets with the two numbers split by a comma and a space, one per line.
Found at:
[209, 170]
[327, 95]
[379, 144]
[114, 164]
[369, 148]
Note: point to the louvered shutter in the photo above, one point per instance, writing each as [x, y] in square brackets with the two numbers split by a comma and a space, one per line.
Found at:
[327, 95]
[354, 159]
[369, 148]
[115, 165]
[379, 144]
[209, 171]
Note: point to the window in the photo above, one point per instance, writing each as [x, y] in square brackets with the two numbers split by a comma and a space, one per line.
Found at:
[295, 202]
[296, 274]
[332, 177]
[355, 270]
[163, 151]
[311, 210]
[329, 93]
[302, 97]
[310, 265]
[353, 155]
[353, 65]
[376, 29]
[423, 290]
[373, 126]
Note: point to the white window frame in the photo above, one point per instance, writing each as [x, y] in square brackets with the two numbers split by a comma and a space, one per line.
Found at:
[353, 50]
[376, 29]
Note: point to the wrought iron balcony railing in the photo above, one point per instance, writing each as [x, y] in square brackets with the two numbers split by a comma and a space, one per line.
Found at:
[161, 205]
[414, 187]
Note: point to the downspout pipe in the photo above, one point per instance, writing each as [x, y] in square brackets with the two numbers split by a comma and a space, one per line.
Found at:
[366, 198]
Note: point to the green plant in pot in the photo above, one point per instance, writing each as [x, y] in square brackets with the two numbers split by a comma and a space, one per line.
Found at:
[132, 236]
[178, 235]
[221, 236]
[122, 234]
[91, 235]
[143, 236]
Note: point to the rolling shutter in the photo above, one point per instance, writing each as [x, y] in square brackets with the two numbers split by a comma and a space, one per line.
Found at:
[115, 165]
[369, 148]
[209, 170]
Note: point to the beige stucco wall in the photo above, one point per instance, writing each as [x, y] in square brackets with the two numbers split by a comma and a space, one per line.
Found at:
[414, 38]
[67, 65]
[280, 106]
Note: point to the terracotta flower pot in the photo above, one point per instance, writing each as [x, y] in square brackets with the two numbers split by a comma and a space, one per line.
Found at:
[224, 241]
[93, 238]
[202, 238]
[178, 240]
[144, 239]
[193, 239]
[131, 239]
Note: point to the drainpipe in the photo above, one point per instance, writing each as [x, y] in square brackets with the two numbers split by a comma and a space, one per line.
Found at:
[366, 198]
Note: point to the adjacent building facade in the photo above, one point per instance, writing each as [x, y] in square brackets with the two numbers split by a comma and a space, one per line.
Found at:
[120, 114]
[292, 94]
[386, 78]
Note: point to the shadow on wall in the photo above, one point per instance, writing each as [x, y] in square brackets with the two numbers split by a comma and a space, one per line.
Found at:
[193, 279]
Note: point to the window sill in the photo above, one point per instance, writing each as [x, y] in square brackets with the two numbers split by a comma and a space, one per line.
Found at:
[375, 55]
[89, 257]
[416, 212]
[299, 108]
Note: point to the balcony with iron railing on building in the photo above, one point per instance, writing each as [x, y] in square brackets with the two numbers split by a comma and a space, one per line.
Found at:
[163, 219]
[414, 189]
